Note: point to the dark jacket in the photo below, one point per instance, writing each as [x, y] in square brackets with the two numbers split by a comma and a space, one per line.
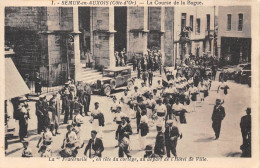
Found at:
[159, 144]
[65, 101]
[120, 132]
[39, 108]
[245, 123]
[218, 113]
[173, 133]
[98, 146]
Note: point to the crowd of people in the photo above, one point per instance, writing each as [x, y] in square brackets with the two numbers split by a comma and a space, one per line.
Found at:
[162, 105]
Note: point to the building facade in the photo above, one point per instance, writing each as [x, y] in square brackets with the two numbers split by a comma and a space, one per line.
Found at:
[234, 34]
[52, 41]
[194, 31]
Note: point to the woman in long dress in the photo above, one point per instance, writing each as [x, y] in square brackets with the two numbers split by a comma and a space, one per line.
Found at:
[193, 92]
[95, 120]
[144, 129]
[222, 90]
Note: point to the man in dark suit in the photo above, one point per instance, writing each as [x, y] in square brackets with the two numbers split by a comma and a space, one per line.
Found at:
[159, 143]
[217, 117]
[150, 77]
[95, 145]
[171, 136]
[245, 126]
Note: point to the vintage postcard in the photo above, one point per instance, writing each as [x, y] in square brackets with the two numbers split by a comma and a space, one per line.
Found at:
[129, 83]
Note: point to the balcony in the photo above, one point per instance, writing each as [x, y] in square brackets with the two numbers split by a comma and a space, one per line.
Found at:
[185, 33]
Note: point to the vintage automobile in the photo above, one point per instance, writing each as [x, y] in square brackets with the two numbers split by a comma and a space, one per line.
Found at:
[113, 78]
[238, 70]
[245, 74]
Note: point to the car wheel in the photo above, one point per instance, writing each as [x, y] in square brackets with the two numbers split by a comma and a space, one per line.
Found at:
[130, 84]
[107, 91]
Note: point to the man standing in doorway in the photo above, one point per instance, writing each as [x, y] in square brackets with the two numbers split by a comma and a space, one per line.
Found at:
[217, 117]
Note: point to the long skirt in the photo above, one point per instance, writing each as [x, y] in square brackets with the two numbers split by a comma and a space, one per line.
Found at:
[95, 126]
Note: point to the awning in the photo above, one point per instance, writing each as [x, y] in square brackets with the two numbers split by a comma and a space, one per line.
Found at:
[14, 83]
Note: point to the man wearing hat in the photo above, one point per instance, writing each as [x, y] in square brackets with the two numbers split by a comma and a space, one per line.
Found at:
[23, 112]
[149, 152]
[66, 105]
[40, 111]
[95, 146]
[159, 143]
[171, 136]
[66, 87]
[245, 126]
[217, 117]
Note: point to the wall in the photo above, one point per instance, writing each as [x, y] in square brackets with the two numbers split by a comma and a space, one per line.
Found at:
[22, 25]
[169, 37]
[234, 11]
[135, 26]
[36, 34]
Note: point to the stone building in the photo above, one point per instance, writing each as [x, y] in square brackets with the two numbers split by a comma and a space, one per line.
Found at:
[234, 34]
[194, 31]
[51, 41]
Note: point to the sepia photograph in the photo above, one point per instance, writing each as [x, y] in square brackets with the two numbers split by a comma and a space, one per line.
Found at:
[128, 82]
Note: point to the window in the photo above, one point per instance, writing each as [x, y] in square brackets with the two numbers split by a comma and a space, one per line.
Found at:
[240, 22]
[198, 26]
[228, 22]
[191, 21]
[208, 22]
[183, 20]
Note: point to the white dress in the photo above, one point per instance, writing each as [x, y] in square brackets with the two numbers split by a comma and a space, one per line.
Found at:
[95, 123]
[160, 109]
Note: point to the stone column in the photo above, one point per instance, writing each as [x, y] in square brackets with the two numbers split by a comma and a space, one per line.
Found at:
[103, 36]
[54, 54]
[145, 31]
[76, 43]
[162, 33]
[111, 37]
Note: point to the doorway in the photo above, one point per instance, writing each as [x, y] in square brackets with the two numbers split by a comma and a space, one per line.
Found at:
[84, 28]
[120, 27]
